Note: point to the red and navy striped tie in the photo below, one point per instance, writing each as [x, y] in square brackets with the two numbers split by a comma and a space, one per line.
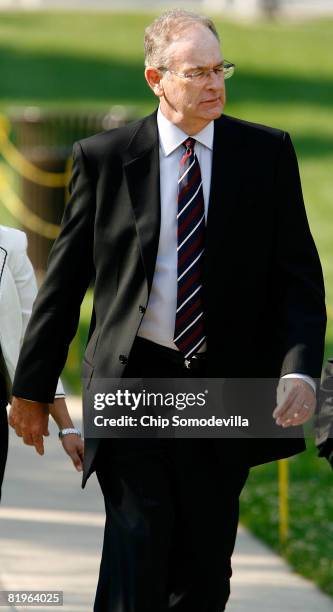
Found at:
[189, 325]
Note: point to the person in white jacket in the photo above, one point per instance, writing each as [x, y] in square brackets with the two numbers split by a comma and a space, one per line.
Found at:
[18, 289]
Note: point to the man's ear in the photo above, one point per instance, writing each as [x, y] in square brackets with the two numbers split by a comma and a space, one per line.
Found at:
[153, 78]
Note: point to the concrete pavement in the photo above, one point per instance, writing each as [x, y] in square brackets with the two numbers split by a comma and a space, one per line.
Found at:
[51, 535]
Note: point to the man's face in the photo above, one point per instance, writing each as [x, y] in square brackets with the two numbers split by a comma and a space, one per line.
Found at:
[193, 102]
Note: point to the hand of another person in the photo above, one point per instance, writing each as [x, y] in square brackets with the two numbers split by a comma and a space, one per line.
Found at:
[296, 402]
[72, 443]
[30, 421]
[74, 447]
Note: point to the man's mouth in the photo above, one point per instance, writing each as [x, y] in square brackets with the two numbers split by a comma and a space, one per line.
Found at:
[211, 101]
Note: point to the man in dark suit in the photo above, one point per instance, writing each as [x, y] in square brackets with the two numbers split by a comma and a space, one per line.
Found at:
[194, 226]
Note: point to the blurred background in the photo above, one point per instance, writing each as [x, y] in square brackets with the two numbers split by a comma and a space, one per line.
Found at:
[74, 68]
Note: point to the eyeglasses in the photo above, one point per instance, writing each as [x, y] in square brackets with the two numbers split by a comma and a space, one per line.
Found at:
[199, 75]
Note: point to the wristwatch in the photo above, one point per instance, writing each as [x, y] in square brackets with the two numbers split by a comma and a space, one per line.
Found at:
[69, 430]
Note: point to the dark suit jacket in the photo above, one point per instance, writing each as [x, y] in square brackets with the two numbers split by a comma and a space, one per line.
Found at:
[264, 289]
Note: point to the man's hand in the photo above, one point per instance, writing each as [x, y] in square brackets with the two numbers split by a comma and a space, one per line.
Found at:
[296, 402]
[30, 421]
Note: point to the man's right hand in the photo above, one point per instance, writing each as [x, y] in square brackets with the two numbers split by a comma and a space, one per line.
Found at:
[30, 421]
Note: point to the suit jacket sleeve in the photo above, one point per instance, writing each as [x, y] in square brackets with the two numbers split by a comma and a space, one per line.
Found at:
[301, 320]
[56, 310]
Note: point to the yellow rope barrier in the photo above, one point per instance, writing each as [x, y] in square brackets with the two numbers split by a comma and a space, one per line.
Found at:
[17, 161]
[68, 172]
[21, 212]
[283, 500]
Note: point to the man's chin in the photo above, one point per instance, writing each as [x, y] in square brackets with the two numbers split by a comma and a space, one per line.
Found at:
[213, 113]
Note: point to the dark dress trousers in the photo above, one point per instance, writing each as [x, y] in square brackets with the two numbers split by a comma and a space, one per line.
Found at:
[265, 317]
[172, 509]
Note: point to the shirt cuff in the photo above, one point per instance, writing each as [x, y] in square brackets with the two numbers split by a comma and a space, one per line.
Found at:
[60, 389]
[57, 395]
[30, 400]
[307, 379]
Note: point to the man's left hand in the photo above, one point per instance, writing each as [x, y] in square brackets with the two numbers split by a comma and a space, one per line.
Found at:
[296, 402]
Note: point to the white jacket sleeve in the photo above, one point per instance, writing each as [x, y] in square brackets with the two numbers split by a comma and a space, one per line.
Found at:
[26, 286]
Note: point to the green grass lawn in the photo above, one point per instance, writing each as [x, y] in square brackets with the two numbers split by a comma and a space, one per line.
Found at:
[284, 79]
[309, 547]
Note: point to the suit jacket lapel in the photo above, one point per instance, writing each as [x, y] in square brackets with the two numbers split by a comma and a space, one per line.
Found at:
[142, 172]
[226, 180]
[224, 201]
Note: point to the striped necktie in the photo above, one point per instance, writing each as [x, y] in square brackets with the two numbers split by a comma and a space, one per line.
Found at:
[189, 332]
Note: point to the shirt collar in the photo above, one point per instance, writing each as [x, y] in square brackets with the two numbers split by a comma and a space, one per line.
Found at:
[171, 136]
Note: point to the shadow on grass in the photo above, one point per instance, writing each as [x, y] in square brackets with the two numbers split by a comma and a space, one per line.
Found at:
[49, 76]
[282, 89]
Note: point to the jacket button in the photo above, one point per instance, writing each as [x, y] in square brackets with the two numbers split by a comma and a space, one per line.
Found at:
[142, 309]
[123, 359]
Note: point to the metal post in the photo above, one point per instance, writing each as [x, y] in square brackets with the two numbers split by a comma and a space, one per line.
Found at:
[283, 500]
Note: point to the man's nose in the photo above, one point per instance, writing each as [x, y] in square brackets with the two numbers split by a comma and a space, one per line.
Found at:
[216, 78]
[215, 81]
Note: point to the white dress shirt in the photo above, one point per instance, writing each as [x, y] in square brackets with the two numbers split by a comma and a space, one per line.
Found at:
[158, 322]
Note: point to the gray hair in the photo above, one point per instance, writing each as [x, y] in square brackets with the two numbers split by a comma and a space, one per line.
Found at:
[167, 28]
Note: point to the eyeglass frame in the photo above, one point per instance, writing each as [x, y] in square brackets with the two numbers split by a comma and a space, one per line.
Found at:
[220, 68]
